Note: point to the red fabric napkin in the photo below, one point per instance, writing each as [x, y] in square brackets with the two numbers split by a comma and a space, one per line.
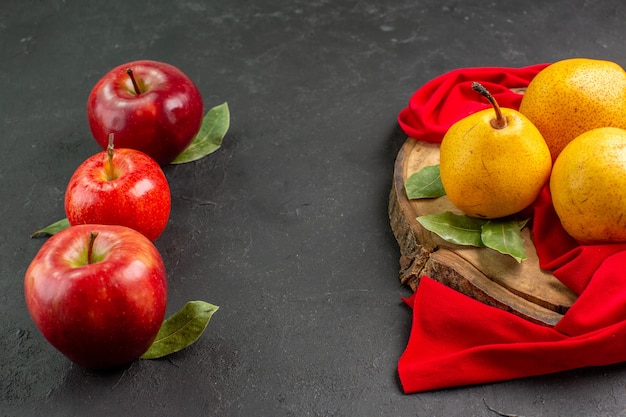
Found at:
[449, 97]
[456, 340]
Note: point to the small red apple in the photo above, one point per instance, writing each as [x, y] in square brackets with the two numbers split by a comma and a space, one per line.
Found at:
[150, 106]
[98, 294]
[122, 186]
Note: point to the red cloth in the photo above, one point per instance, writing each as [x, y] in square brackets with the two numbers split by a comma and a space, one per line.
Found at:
[456, 340]
[449, 97]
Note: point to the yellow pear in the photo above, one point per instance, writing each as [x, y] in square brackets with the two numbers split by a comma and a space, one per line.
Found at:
[494, 162]
[575, 95]
[588, 186]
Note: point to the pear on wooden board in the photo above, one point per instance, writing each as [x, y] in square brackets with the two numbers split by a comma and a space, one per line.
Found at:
[493, 163]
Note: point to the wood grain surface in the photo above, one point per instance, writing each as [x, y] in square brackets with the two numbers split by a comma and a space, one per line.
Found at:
[482, 273]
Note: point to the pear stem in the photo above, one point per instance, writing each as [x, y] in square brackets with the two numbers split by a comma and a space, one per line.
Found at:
[109, 167]
[500, 121]
[92, 238]
[129, 71]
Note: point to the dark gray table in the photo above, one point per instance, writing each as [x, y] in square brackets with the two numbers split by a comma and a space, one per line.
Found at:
[285, 227]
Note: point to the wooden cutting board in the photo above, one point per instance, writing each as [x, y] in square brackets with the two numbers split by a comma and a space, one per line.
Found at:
[482, 273]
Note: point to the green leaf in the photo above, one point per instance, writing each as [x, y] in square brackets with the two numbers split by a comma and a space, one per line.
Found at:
[209, 138]
[505, 237]
[52, 229]
[181, 329]
[426, 183]
[455, 228]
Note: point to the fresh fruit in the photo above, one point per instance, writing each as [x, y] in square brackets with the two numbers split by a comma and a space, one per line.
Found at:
[150, 106]
[123, 187]
[493, 166]
[588, 186]
[572, 96]
[98, 294]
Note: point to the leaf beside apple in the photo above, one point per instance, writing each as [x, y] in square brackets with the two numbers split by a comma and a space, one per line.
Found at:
[209, 138]
[181, 329]
[52, 229]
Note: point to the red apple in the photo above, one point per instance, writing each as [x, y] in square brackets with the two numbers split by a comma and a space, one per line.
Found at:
[122, 186]
[149, 106]
[97, 293]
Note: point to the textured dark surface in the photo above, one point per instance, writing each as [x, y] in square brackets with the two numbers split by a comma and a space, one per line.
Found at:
[285, 227]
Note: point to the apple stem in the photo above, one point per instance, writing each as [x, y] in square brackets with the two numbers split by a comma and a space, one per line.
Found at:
[129, 71]
[92, 238]
[109, 167]
[500, 121]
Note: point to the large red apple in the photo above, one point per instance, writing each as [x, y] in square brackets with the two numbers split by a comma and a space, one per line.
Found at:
[97, 293]
[123, 187]
[150, 106]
